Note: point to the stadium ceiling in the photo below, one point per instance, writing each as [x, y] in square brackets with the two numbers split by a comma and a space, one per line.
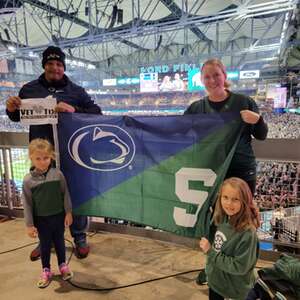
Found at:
[122, 35]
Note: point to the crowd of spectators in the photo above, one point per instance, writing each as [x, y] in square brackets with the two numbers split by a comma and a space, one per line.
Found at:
[283, 126]
[278, 185]
[146, 101]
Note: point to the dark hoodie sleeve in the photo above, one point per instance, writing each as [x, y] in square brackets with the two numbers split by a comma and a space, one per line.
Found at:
[196, 107]
[15, 116]
[87, 105]
[260, 129]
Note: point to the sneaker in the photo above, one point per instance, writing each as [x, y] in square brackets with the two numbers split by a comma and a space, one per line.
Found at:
[35, 253]
[45, 278]
[82, 251]
[65, 271]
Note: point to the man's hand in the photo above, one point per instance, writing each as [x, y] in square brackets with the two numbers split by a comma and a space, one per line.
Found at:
[204, 245]
[13, 103]
[249, 117]
[32, 231]
[64, 107]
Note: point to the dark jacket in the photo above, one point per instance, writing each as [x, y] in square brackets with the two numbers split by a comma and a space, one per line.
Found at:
[286, 272]
[64, 90]
[243, 163]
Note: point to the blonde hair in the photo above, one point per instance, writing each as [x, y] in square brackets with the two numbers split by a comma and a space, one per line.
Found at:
[217, 62]
[248, 216]
[41, 145]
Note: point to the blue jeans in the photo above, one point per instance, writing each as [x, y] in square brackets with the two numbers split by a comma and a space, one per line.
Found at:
[78, 230]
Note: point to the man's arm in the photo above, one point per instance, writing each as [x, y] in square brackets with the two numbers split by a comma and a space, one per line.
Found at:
[13, 108]
[87, 105]
[13, 104]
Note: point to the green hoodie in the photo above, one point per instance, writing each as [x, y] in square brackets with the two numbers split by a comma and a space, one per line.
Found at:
[231, 260]
[286, 268]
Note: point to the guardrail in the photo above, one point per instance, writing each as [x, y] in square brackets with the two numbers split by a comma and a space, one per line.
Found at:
[14, 164]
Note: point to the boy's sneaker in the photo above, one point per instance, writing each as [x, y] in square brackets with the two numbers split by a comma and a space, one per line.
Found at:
[35, 253]
[45, 278]
[65, 271]
[82, 250]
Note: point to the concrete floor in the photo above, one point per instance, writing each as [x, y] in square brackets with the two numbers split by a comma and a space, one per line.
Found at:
[115, 260]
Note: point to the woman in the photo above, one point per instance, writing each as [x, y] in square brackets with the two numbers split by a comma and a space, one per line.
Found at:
[220, 99]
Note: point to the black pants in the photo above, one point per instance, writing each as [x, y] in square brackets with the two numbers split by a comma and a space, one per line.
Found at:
[252, 185]
[51, 230]
[212, 295]
[251, 182]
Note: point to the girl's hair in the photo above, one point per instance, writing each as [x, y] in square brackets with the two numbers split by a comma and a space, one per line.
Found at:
[248, 216]
[41, 145]
[218, 63]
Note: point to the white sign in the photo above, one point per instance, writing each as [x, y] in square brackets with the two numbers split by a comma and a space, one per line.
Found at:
[19, 65]
[38, 111]
[110, 82]
[149, 82]
[249, 74]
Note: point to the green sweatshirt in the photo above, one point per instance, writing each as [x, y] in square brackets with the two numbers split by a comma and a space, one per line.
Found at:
[45, 194]
[231, 260]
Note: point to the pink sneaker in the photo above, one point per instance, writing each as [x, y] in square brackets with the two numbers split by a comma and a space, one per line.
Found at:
[65, 271]
[45, 278]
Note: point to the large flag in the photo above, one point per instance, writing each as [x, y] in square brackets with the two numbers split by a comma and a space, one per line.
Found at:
[163, 172]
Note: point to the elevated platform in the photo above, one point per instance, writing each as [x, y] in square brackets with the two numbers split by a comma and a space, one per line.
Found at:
[115, 260]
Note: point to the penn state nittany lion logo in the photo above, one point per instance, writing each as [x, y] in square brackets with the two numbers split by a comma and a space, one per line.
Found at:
[220, 238]
[102, 147]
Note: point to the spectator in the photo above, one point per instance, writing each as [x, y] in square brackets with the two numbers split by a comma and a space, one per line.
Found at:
[71, 98]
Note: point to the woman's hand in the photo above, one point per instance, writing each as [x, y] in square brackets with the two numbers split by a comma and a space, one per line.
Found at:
[204, 245]
[249, 117]
[68, 219]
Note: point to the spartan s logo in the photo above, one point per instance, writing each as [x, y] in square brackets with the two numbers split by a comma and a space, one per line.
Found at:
[105, 147]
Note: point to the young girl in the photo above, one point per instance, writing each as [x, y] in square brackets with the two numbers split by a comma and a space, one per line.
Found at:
[232, 258]
[47, 208]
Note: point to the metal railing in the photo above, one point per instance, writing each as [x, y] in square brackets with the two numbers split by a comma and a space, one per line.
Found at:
[14, 164]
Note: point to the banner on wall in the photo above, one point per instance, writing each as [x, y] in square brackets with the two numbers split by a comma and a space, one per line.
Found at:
[19, 65]
[159, 171]
[3, 66]
[28, 67]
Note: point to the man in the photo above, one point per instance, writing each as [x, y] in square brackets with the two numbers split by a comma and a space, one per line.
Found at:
[70, 98]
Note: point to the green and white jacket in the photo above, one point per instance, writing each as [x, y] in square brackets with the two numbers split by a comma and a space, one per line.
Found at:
[45, 194]
[231, 261]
